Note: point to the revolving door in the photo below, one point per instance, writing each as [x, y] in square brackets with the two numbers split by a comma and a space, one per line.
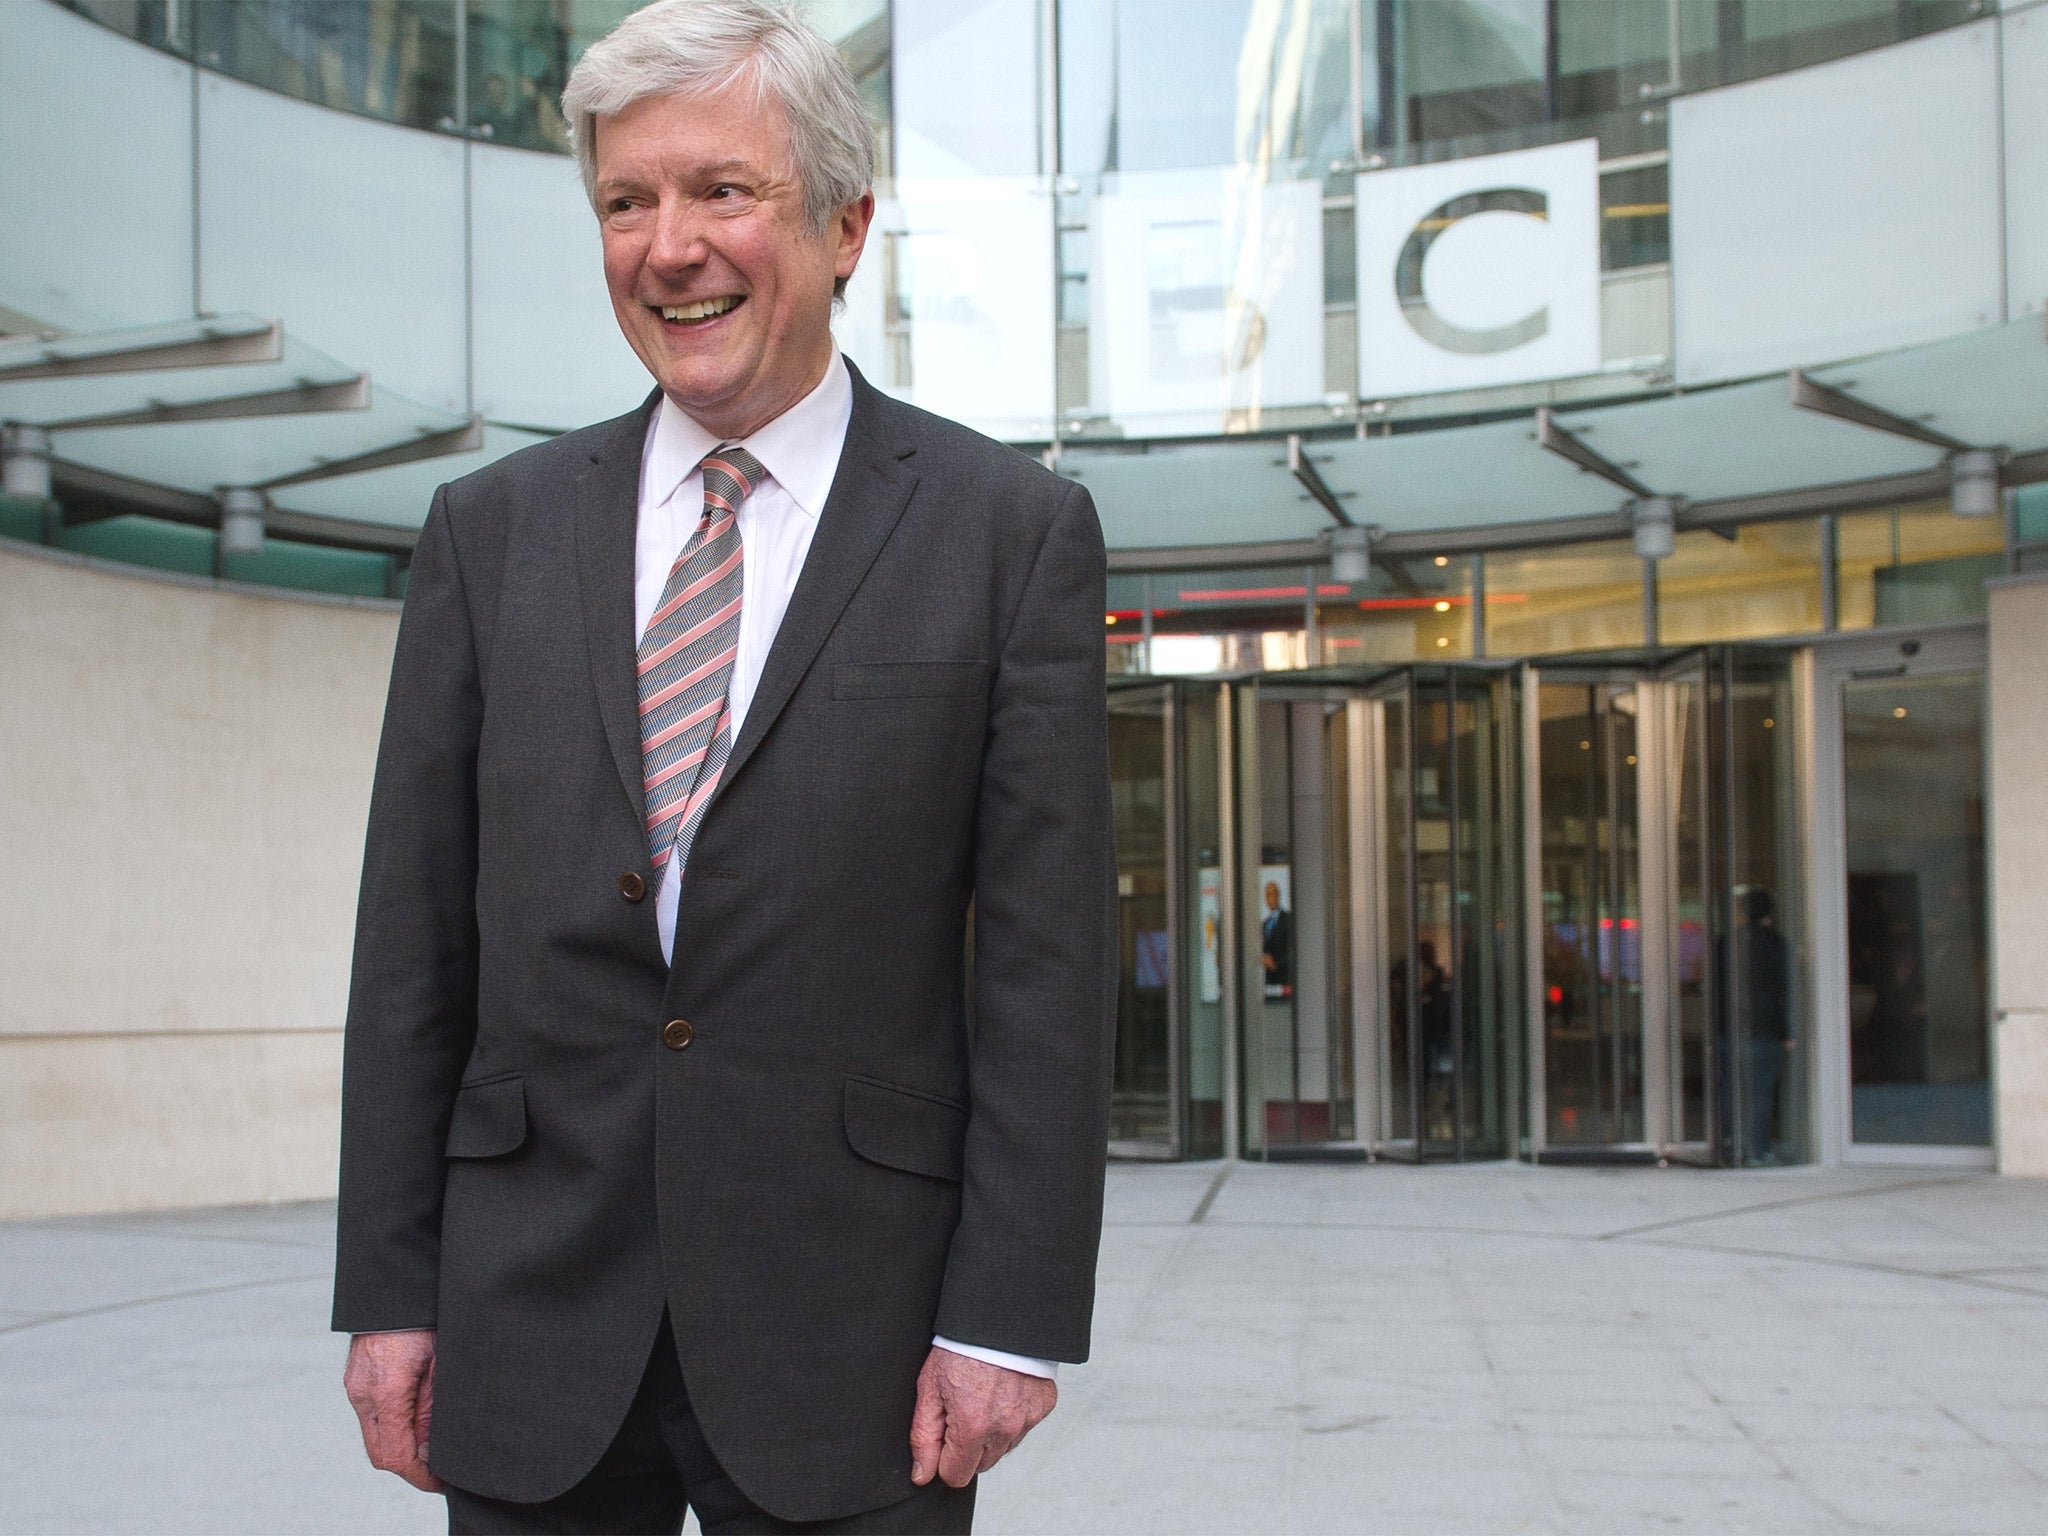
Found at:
[1381, 961]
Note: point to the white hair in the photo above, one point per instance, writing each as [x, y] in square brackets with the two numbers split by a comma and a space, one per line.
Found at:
[702, 46]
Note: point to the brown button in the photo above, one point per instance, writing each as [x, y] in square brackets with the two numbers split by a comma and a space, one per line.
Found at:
[631, 886]
[676, 1034]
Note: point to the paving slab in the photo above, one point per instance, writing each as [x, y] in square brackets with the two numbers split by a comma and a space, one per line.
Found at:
[1494, 1349]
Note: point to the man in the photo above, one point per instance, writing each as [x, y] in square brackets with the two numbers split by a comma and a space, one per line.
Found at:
[675, 1164]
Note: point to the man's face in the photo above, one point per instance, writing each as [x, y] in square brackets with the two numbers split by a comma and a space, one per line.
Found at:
[715, 278]
[1272, 896]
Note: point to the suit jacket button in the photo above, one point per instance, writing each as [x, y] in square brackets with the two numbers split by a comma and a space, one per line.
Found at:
[631, 886]
[676, 1034]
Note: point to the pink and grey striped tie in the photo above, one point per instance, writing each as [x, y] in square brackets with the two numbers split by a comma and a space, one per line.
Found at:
[686, 660]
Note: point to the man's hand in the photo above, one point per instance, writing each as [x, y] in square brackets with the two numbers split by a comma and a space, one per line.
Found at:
[970, 1415]
[390, 1383]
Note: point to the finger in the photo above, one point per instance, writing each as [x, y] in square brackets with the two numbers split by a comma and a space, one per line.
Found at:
[960, 1456]
[927, 1427]
[993, 1450]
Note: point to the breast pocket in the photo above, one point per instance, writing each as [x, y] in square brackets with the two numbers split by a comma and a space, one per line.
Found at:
[909, 679]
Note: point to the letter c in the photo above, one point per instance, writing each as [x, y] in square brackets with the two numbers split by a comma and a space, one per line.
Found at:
[1415, 307]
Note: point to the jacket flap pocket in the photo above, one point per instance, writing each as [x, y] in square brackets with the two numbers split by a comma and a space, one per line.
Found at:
[909, 679]
[901, 1128]
[489, 1118]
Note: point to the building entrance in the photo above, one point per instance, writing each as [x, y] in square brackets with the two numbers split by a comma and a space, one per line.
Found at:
[1463, 911]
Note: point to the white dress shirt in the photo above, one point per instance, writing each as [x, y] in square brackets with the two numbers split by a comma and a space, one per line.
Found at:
[800, 450]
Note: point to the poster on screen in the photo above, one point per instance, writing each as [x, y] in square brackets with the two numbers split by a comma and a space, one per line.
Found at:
[1479, 272]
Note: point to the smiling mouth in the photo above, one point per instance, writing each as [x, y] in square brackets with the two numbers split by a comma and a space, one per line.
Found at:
[703, 310]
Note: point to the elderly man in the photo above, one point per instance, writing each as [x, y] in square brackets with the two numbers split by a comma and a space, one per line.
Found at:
[686, 1160]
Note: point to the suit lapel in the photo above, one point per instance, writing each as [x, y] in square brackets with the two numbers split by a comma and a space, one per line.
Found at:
[607, 518]
[869, 493]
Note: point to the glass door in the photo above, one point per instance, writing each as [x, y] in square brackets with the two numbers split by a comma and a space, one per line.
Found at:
[1298, 785]
[1905, 995]
[1443, 977]
[1679, 939]
[1145, 1116]
[1589, 779]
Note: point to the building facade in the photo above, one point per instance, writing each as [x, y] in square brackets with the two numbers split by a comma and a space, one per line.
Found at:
[1576, 476]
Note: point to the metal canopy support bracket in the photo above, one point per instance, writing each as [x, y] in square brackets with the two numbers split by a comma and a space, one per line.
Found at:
[1809, 394]
[1303, 468]
[154, 348]
[467, 438]
[293, 400]
[1573, 449]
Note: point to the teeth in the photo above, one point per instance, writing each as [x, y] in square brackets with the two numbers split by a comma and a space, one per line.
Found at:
[701, 311]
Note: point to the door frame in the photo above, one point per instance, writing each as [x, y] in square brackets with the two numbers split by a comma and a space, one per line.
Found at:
[1173, 813]
[1937, 650]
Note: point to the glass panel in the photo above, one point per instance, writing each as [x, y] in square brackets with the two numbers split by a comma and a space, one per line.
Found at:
[1437, 950]
[1340, 1070]
[1203, 905]
[1580, 597]
[1916, 565]
[393, 59]
[1913, 800]
[1269, 1006]
[1469, 67]
[1592, 972]
[1767, 1005]
[1410, 610]
[1685, 769]
[1254, 84]
[967, 86]
[1398, 1111]
[1766, 581]
[520, 55]
[1141, 1101]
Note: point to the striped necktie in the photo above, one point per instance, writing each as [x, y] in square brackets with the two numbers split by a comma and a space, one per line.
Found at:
[686, 660]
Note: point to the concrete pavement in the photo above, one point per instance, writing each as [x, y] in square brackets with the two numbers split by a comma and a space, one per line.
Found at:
[1494, 1348]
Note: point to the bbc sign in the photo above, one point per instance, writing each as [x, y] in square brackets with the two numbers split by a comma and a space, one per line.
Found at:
[1480, 272]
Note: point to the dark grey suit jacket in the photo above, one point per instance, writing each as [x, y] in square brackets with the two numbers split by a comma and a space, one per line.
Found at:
[838, 1165]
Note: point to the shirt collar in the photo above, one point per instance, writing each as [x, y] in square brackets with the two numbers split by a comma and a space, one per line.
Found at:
[800, 448]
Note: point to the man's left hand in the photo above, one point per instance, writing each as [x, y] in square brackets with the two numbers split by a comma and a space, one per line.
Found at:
[970, 1415]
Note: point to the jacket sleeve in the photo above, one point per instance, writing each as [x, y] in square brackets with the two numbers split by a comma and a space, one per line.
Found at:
[1021, 1273]
[412, 993]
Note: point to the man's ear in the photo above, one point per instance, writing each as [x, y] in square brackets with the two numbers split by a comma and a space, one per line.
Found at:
[850, 231]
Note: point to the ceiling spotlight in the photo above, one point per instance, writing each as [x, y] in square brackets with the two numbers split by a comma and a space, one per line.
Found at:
[1443, 605]
[1442, 561]
[1654, 519]
[1350, 554]
[1973, 483]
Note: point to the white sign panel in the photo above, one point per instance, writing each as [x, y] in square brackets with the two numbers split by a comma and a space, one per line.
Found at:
[952, 306]
[1205, 300]
[1480, 272]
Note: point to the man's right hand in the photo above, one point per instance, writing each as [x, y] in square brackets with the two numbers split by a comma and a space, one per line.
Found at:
[390, 1383]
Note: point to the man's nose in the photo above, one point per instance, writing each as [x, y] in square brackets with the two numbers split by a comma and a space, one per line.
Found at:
[678, 243]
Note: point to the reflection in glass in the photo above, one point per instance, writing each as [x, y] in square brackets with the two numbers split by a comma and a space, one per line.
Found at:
[1917, 564]
[393, 59]
[1203, 972]
[1577, 597]
[1141, 1103]
[967, 85]
[1469, 67]
[1451, 1001]
[1763, 1101]
[1913, 801]
[1592, 915]
[1765, 581]
[1145, 88]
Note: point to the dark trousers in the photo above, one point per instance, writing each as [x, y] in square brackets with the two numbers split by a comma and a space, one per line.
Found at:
[660, 1462]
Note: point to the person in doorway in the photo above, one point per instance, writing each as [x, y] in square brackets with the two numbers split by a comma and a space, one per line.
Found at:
[671, 1173]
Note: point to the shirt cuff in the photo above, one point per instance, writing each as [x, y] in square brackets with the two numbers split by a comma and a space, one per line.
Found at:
[1049, 1369]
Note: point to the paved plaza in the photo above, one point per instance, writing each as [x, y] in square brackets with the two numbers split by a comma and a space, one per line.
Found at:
[1492, 1348]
